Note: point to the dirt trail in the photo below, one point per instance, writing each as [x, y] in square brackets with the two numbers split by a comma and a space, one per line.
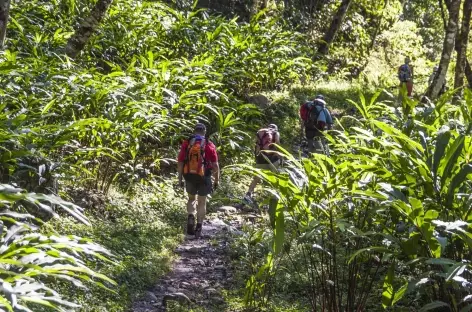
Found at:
[202, 271]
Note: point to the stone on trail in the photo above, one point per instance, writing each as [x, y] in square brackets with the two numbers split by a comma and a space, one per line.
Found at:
[227, 209]
[252, 217]
[204, 284]
[151, 296]
[211, 292]
[233, 231]
[179, 297]
[217, 222]
[185, 285]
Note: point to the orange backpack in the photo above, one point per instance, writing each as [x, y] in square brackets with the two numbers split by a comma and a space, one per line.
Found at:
[195, 158]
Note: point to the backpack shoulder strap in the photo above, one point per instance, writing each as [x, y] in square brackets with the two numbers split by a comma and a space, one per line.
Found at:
[260, 139]
[191, 140]
[274, 134]
[190, 143]
[203, 144]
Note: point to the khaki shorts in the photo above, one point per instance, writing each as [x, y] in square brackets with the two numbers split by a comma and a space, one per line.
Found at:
[200, 186]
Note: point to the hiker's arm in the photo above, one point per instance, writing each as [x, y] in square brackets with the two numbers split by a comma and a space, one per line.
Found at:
[180, 170]
[256, 147]
[329, 120]
[302, 122]
[216, 172]
[277, 138]
[180, 163]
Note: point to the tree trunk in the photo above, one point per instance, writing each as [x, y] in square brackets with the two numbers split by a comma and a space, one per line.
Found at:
[4, 15]
[377, 29]
[468, 69]
[334, 27]
[358, 70]
[82, 35]
[462, 42]
[468, 73]
[448, 47]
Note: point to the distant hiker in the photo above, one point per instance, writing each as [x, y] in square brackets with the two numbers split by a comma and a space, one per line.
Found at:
[265, 140]
[405, 75]
[431, 79]
[316, 119]
[197, 162]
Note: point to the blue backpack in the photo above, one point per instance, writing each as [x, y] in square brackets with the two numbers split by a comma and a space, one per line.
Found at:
[404, 74]
[316, 115]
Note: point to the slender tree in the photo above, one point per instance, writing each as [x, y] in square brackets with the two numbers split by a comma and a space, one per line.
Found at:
[83, 33]
[443, 13]
[334, 27]
[4, 16]
[462, 42]
[468, 73]
[448, 47]
[467, 69]
[370, 48]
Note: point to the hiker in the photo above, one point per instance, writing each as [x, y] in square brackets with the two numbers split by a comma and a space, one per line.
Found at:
[197, 163]
[405, 75]
[431, 79]
[316, 119]
[265, 139]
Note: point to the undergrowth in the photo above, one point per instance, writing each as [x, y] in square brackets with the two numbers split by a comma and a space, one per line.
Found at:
[142, 232]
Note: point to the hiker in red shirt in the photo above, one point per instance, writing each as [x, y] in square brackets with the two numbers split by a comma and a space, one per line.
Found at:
[197, 163]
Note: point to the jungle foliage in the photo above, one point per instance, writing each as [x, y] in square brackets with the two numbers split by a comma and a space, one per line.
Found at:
[102, 108]
[390, 209]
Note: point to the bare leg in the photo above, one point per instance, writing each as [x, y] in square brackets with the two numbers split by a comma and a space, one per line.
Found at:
[201, 208]
[409, 88]
[191, 204]
[253, 185]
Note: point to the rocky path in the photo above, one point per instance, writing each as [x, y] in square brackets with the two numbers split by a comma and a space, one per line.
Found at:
[201, 272]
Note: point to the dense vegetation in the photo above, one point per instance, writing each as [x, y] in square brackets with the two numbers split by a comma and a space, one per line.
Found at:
[97, 95]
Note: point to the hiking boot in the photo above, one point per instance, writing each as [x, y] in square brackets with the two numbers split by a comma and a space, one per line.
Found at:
[198, 230]
[191, 225]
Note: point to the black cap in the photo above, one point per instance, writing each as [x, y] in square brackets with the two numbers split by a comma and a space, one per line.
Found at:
[200, 127]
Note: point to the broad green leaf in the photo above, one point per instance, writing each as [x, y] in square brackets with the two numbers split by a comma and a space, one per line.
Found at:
[387, 288]
[400, 293]
[279, 230]
[450, 160]
[441, 143]
[456, 182]
[369, 249]
[435, 305]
